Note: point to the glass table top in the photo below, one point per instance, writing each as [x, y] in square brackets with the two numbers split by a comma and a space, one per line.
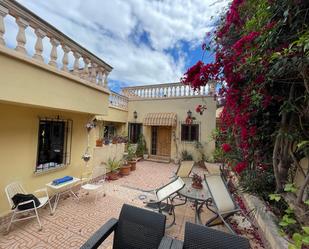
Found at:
[193, 193]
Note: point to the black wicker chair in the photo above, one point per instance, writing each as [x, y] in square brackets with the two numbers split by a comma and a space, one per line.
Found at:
[201, 237]
[136, 229]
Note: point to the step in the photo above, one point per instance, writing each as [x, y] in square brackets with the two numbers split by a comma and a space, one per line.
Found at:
[159, 159]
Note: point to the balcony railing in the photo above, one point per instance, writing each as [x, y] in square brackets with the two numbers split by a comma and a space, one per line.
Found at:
[85, 65]
[172, 90]
[118, 101]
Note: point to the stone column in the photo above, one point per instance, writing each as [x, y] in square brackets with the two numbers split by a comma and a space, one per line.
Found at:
[93, 76]
[21, 36]
[53, 53]
[40, 34]
[3, 13]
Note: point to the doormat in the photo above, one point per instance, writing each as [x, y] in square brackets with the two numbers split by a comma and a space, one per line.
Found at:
[166, 209]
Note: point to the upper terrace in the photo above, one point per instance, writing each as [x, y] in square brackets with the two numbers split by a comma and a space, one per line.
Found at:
[65, 78]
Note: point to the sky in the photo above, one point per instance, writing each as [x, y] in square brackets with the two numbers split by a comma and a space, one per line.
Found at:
[145, 41]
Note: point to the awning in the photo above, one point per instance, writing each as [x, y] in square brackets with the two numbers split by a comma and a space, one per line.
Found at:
[160, 119]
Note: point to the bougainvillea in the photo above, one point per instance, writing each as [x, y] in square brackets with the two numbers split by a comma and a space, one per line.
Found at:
[261, 59]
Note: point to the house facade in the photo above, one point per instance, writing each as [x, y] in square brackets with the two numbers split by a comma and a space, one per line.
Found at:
[46, 103]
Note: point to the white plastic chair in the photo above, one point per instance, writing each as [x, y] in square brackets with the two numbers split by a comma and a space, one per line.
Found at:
[91, 184]
[16, 188]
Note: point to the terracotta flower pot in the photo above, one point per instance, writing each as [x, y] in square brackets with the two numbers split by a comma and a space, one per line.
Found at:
[133, 165]
[125, 170]
[99, 143]
[113, 175]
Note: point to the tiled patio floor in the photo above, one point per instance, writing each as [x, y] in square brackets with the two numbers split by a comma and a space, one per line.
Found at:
[74, 222]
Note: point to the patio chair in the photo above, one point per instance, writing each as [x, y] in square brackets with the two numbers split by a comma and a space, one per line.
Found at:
[136, 228]
[166, 193]
[17, 188]
[93, 183]
[201, 237]
[221, 203]
[184, 169]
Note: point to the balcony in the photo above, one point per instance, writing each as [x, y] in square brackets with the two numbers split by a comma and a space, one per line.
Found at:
[54, 82]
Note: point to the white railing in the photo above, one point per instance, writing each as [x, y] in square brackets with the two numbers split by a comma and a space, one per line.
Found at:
[119, 101]
[85, 65]
[172, 90]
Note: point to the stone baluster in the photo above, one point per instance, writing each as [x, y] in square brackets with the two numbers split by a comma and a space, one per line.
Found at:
[93, 74]
[40, 34]
[3, 13]
[21, 35]
[105, 81]
[76, 63]
[85, 74]
[53, 53]
[100, 76]
[65, 59]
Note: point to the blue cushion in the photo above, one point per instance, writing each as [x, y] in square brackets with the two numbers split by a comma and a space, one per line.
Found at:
[62, 180]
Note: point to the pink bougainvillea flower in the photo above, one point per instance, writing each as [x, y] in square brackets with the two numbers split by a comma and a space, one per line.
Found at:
[240, 167]
[226, 147]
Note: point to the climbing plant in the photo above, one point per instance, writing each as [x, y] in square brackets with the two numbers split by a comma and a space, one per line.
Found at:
[262, 64]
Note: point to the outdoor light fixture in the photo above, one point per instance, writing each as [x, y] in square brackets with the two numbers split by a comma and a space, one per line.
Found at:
[189, 114]
[135, 114]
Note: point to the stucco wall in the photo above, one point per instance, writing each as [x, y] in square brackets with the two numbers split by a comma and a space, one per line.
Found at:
[18, 147]
[180, 106]
[23, 81]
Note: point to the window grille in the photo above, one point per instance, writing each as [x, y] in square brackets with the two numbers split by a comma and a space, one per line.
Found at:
[54, 143]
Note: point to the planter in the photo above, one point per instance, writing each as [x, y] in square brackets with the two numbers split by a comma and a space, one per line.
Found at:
[133, 165]
[125, 170]
[113, 175]
[145, 156]
[99, 143]
[197, 185]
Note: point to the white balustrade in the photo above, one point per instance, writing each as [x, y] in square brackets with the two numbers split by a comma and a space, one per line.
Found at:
[119, 101]
[94, 71]
[172, 90]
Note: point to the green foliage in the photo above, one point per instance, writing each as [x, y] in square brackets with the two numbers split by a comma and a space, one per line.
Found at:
[131, 152]
[290, 188]
[186, 156]
[141, 146]
[113, 164]
[274, 197]
[257, 182]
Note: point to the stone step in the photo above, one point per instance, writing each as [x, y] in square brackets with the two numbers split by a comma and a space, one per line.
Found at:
[159, 159]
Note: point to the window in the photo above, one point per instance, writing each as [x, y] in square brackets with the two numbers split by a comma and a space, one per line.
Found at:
[109, 131]
[190, 133]
[135, 131]
[54, 144]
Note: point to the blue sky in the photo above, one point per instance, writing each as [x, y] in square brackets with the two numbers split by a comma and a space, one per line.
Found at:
[145, 41]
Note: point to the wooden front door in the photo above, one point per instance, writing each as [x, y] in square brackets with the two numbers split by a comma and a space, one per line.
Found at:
[164, 138]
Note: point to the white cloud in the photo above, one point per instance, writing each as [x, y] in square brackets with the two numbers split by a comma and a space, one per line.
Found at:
[110, 28]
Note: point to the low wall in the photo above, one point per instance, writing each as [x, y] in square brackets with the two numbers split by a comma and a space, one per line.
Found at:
[102, 154]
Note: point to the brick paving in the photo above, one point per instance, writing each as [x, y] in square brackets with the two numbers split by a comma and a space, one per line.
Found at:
[75, 221]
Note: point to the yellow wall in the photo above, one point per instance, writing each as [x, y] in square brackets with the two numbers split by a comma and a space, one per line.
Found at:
[18, 147]
[115, 115]
[26, 81]
[180, 106]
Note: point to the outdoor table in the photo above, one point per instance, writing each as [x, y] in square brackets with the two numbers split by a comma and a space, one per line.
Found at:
[198, 196]
[62, 188]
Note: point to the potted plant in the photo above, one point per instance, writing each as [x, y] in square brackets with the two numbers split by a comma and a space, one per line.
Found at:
[200, 155]
[197, 181]
[125, 169]
[99, 142]
[131, 157]
[113, 165]
[141, 150]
